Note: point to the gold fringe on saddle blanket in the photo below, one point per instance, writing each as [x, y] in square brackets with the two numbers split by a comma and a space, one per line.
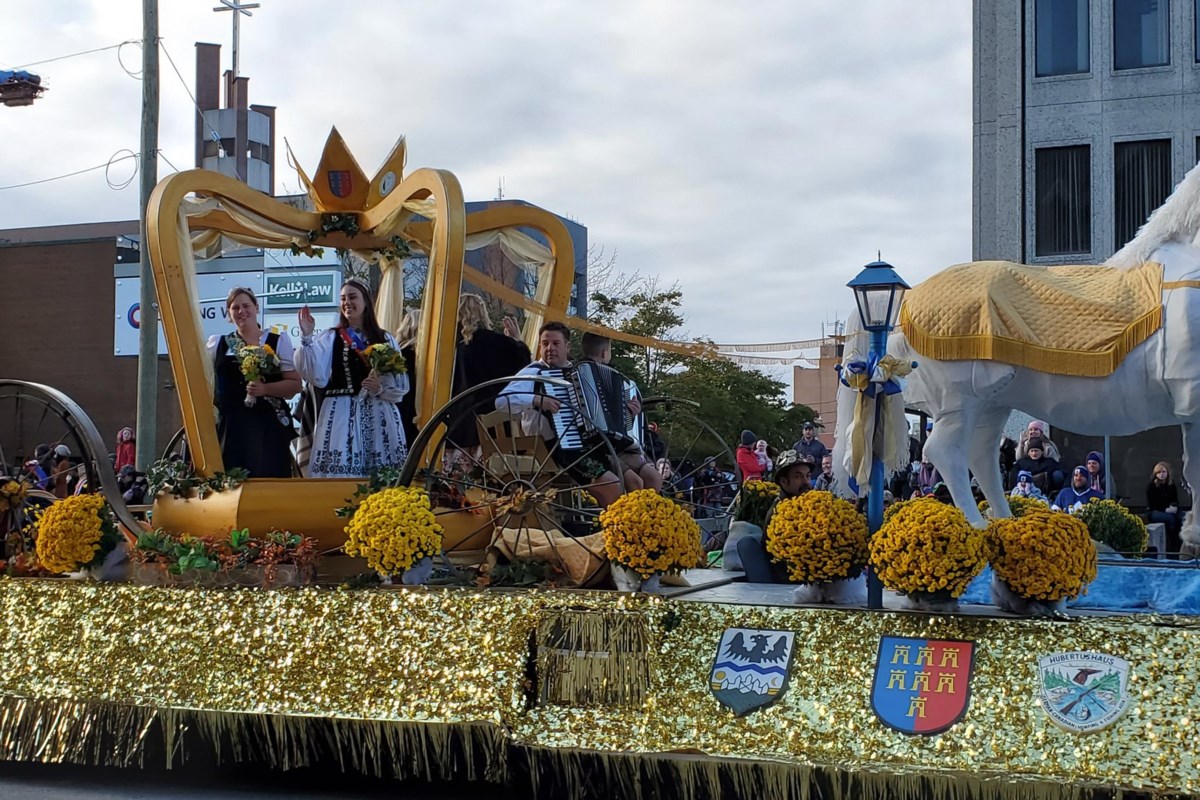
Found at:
[1079, 320]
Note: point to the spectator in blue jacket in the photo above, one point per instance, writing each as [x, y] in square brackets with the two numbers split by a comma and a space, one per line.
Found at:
[1078, 494]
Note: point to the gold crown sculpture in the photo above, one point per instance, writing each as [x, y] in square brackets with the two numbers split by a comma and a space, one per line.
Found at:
[340, 183]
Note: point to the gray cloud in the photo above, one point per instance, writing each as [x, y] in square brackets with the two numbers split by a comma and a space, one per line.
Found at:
[757, 153]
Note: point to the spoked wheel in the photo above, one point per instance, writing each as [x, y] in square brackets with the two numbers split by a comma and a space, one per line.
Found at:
[31, 415]
[177, 448]
[704, 472]
[493, 483]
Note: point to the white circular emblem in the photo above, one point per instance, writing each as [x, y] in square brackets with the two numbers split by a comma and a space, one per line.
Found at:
[387, 184]
[1083, 691]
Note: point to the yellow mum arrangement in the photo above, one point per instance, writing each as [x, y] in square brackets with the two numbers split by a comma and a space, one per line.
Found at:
[12, 494]
[927, 546]
[819, 537]
[393, 529]
[1112, 523]
[75, 532]
[649, 534]
[1044, 555]
[754, 501]
[1018, 505]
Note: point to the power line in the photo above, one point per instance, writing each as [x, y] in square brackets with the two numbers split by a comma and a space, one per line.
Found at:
[73, 55]
[163, 156]
[108, 163]
[216, 137]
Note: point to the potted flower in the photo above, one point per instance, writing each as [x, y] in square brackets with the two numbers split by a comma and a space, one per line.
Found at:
[1112, 524]
[927, 551]
[79, 533]
[1040, 560]
[281, 558]
[396, 531]
[754, 502]
[822, 540]
[647, 536]
[1018, 505]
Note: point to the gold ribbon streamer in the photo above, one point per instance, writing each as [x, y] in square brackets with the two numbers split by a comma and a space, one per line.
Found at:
[863, 424]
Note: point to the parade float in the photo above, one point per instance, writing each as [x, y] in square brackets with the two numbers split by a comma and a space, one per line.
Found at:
[584, 689]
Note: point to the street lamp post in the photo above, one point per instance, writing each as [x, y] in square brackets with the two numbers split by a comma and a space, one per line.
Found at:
[878, 291]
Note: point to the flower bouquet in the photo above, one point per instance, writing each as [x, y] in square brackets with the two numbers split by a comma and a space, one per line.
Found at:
[79, 533]
[259, 362]
[383, 359]
[927, 551]
[1040, 560]
[647, 536]
[822, 540]
[396, 531]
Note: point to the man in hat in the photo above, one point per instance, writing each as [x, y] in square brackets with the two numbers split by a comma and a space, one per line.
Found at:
[809, 445]
[1078, 494]
[792, 474]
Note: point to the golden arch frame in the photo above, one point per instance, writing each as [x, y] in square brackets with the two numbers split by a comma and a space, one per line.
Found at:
[308, 503]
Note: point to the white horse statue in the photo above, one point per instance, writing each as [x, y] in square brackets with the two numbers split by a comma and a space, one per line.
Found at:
[1157, 383]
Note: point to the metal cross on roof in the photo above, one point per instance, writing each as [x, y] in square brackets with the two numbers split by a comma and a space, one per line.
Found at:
[238, 9]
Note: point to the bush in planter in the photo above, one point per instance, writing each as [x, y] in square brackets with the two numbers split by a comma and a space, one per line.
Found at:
[818, 537]
[1044, 555]
[1111, 523]
[76, 533]
[650, 534]
[754, 502]
[927, 547]
[162, 558]
[1018, 505]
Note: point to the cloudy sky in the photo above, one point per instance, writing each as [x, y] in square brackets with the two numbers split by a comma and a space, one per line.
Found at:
[758, 153]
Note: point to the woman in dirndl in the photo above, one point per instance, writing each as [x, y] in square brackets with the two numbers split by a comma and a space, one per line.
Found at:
[359, 427]
[254, 423]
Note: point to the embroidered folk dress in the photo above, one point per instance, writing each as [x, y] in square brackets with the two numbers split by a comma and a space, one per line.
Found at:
[356, 433]
[255, 437]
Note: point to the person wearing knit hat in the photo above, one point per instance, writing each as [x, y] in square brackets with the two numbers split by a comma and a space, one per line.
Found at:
[1026, 487]
[1095, 469]
[1078, 494]
[1040, 430]
[747, 460]
[1046, 473]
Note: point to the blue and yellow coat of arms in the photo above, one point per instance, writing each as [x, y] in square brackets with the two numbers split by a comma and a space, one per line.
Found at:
[752, 668]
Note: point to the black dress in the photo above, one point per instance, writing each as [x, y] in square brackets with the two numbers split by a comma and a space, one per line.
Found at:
[488, 356]
[252, 437]
[408, 405]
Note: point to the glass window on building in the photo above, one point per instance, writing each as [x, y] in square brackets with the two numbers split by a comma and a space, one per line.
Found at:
[1141, 33]
[1063, 213]
[1061, 28]
[1141, 182]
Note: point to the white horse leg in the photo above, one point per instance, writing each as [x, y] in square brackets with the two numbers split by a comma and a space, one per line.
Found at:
[985, 459]
[1191, 473]
[947, 448]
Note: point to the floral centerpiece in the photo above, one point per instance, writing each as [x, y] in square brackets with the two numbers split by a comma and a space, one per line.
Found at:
[12, 494]
[754, 502]
[396, 531]
[1113, 524]
[822, 540]
[1018, 505]
[927, 551]
[280, 558]
[1040, 560]
[258, 362]
[647, 536]
[78, 533]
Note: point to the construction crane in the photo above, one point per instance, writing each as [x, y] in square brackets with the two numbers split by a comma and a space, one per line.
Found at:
[19, 87]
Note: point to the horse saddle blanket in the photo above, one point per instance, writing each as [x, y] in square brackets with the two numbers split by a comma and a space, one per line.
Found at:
[1078, 320]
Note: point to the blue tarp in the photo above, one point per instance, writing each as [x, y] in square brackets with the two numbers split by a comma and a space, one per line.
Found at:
[19, 75]
[1160, 590]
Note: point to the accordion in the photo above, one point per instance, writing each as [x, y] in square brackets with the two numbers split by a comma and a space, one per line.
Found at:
[596, 402]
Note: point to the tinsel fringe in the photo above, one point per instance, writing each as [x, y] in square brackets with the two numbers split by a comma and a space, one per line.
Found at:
[588, 657]
[102, 734]
[986, 347]
[576, 774]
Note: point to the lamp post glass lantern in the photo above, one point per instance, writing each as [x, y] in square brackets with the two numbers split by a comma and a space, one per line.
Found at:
[878, 291]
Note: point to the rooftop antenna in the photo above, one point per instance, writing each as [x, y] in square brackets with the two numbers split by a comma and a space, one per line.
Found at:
[500, 188]
[238, 9]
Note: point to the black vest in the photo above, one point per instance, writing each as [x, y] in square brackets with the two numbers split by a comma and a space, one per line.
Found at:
[347, 371]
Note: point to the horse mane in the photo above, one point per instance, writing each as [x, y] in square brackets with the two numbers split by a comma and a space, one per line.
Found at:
[1176, 220]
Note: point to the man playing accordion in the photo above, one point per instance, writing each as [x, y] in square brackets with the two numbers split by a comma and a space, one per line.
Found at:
[541, 414]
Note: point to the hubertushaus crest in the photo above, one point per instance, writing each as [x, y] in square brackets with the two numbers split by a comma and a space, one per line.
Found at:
[752, 668]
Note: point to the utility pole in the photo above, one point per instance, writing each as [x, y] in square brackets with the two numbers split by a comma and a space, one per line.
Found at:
[238, 9]
[147, 391]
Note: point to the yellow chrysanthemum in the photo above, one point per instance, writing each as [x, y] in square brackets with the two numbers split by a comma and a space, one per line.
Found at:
[69, 533]
[12, 494]
[927, 546]
[650, 534]
[393, 529]
[1043, 555]
[819, 537]
[1018, 505]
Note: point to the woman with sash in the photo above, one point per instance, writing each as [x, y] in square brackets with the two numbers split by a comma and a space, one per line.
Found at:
[359, 427]
[254, 423]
